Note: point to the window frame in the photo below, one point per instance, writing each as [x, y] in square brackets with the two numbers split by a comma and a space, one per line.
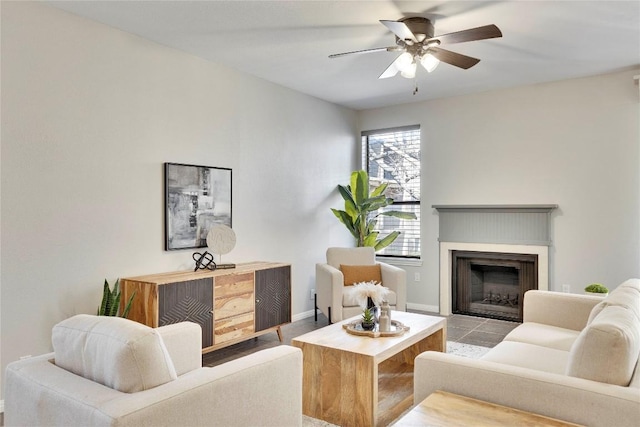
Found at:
[364, 158]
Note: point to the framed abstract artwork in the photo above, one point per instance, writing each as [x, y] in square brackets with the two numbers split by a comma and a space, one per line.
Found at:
[196, 198]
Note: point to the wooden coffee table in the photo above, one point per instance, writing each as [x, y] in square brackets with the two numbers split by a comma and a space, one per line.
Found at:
[442, 409]
[352, 380]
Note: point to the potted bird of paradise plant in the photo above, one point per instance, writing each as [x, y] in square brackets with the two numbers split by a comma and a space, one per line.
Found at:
[360, 214]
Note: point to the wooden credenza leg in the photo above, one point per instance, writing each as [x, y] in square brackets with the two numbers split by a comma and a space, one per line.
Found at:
[279, 331]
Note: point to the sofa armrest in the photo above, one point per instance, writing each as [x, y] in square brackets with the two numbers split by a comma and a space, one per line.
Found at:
[570, 311]
[184, 344]
[40, 393]
[553, 395]
[329, 288]
[395, 278]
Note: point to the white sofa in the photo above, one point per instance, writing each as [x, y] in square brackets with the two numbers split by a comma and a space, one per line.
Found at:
[575, 358]
[108, 371]
[331, 297]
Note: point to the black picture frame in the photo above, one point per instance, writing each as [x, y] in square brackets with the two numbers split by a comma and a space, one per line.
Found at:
[196, 198]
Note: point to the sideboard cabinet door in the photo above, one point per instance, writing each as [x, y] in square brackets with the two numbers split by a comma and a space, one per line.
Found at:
[273, 297]
[190, 300]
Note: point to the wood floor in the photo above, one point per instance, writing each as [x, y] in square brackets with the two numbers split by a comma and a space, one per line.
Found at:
[464, 329]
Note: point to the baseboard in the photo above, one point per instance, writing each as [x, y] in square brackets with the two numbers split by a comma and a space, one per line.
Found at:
[302, 315]
[423, 307]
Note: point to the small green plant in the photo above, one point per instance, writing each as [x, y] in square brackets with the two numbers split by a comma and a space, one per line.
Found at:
[367, 316]
[110, 305]
[597, 288]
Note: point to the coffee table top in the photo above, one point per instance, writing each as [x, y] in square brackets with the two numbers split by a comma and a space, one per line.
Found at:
[335, 336]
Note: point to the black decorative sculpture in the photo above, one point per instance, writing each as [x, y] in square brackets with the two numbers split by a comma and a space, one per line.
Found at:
[203, 261]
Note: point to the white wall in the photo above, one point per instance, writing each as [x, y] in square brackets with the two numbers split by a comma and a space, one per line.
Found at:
[575, 143]
[89, 116]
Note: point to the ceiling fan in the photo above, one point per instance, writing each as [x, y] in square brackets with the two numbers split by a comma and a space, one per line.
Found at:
[415, 39]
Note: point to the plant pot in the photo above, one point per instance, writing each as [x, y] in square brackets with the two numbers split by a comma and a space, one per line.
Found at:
[368, 326]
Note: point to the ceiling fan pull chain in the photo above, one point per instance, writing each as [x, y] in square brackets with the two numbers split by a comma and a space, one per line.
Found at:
[415, 90]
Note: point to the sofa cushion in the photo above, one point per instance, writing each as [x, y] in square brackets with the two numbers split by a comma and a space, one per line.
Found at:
[543, 335]
[625, 295]
[118, 353]
[607, 349]
[361, 273]
[530, 356]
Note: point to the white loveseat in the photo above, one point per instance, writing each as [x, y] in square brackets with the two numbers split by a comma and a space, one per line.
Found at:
[108, 371]
[575, 358]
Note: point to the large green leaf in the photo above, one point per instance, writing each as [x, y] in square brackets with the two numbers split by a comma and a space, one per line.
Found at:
[370, 240]
[399, 214]
[373, 204]
[345, 192]
[360, 186]
[379, 189]
[383, 243]
[347, 220]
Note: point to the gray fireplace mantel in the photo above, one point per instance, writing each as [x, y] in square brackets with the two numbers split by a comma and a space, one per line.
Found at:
[501, 224]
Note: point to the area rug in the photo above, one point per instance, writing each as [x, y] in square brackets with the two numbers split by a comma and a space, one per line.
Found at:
[466, 350]
[314, 422]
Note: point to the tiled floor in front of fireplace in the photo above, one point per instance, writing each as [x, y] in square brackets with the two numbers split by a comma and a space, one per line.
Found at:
[460, 328]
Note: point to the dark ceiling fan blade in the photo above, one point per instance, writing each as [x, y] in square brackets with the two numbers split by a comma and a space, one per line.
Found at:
[453, 58]
[400, 29]
[480, 33]
[376, 49]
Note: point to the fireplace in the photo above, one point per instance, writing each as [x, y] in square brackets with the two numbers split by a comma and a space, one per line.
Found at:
[492, 284]
[519, 235]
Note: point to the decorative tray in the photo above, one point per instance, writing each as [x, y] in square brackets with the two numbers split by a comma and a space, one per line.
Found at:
[355, 328]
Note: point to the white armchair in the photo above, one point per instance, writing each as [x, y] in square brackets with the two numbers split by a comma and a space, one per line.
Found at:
[330, 282]
[108, 371]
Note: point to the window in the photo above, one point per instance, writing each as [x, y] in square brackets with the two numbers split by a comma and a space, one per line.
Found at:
[393, 156]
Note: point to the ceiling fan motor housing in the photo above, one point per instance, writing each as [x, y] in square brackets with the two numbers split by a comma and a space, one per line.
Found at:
[419, 26]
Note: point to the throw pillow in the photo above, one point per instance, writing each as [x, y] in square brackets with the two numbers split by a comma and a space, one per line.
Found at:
[361, 273]
[118, 353]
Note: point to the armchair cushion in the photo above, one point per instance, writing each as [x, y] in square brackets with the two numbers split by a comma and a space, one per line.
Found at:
[121, 354]
[361, 273]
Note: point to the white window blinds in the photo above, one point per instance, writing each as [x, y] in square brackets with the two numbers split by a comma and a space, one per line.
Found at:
[393, 156]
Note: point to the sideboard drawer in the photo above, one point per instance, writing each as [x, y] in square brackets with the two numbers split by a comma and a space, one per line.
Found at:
[233, 328]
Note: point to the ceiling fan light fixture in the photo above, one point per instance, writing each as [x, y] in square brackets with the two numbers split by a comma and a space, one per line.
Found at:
[410, 71]
[404, 61]
[429, 62]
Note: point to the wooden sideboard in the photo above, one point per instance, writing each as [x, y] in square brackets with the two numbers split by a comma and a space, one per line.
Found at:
[231, 305]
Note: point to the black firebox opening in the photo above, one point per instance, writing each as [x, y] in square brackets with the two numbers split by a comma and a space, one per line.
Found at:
[488, 284]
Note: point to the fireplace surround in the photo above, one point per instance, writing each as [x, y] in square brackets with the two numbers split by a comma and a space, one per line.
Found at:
[516, 230]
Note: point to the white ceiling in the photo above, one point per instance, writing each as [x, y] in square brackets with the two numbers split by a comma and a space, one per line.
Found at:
[288, 42]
